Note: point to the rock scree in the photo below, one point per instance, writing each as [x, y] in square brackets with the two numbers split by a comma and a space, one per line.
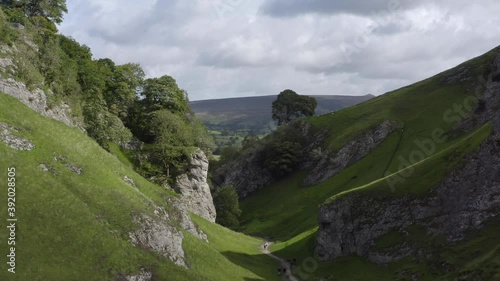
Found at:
[10, 139]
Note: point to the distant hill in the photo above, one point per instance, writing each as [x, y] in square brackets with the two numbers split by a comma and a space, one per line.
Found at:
[253, 114]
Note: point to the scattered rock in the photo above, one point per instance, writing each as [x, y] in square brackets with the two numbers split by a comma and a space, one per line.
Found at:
[45, 168]
[129, 181]
[194, 188]
[4, 63]
[458, 75]
[12, 140]
[135, 145]
[17, 26]
[143, 276]
[74, 168]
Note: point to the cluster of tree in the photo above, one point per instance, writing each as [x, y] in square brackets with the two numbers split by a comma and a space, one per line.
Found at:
[280, 152]
[45, 14]
[116, 102]
[227, 207]
[290, 106]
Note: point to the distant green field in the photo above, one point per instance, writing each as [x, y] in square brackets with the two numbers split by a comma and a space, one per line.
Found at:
[230, 120]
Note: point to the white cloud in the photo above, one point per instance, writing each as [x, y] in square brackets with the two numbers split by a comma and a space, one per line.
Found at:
[241, 51]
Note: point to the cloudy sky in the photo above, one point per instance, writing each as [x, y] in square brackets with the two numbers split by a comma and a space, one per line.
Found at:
[231, 48]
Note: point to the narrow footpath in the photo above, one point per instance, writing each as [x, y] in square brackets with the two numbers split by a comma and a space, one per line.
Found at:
[288, 275]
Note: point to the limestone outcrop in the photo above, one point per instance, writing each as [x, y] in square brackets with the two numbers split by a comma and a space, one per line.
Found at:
[354, 151]
[158, 234]
[7, 136]
[246, 175]
[466, 199]
[37, 100]
[194, 188]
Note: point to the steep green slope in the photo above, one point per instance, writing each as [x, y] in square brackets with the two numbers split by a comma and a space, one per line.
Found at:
[75, 227]
[287, 210]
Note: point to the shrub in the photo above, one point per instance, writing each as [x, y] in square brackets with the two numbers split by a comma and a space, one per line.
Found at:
[227, 206]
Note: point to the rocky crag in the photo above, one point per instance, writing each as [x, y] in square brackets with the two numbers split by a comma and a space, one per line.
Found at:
[328, 166]
[247, 175]
[466, 199]
[194, 189]
[36, 98]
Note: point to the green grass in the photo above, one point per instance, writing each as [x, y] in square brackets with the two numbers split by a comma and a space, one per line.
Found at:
[288, 208]
[426, 173]
[476, 255]
[75, 227]
[287, 211]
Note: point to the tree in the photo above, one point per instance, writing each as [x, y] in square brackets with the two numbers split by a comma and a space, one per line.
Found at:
[250, 141]
[282, 157]
[122, 84]
[163, 93]
[52, 10]
[289, 106]
[227, 206]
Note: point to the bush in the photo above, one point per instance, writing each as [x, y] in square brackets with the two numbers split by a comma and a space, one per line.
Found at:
[103, 126]
[227, 207]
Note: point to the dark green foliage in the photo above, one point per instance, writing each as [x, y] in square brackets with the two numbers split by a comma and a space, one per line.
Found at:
[103, 126]
[290, 106]
[249, 142]
[282, 150]
[163, 93]
[121, 85]
[113, 101]
[52, 10]
[227, 206]
[282, 157]
[7, 34]
[16, 15]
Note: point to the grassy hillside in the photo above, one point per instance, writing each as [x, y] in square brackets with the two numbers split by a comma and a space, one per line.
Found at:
[287, 210]
[75, 227]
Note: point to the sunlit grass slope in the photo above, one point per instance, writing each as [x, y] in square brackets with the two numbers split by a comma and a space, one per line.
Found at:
[287, 210]
[75, 227]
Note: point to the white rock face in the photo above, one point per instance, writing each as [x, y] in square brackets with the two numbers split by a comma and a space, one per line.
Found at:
[194, 188]
[13, 141]
[354, 151]
[144, 276]
[37, 100]
[159, 235]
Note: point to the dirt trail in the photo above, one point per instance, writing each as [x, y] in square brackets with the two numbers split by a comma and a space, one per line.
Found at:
[289, 276]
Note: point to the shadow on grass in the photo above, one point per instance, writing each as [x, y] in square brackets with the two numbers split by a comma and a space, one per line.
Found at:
[261, 265]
